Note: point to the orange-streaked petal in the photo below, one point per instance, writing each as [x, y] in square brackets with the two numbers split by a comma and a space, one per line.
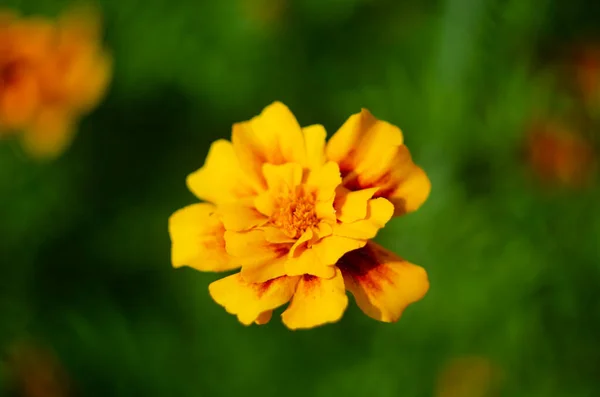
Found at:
[371, 154]
[314, 138]
[352, 206]
[364, 144]
[220, 180]
[197, 237]
[317, 301]
[50, 133]
[250, 300]
[260, 259]
[379, 212]
[382, 283]
[273, 137]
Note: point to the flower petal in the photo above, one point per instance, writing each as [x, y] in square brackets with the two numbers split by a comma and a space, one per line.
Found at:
[264, 317]
[371, 154]
[260, 259]
[273, 137]
[284, 177]
[324, 181]
[249, 301]
[364, 144]
[317, 301]
[241, 216]
[320, 258]
[197, 239]
[352, 206]
[382, 283]
[314, 139]
[379, 212]
[220, 180]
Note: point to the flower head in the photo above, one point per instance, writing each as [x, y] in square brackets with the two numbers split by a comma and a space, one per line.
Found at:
[51, 74]
[280, 209]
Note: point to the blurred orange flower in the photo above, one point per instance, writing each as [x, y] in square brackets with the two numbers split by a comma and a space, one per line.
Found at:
[279, 207]
[587, 73]
[469, 376]
[559, 155]
[36, 372]
[51, 74]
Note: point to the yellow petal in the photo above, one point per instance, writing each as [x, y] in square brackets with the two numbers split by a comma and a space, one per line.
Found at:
[324, 181]
[314, 138]
[303, 239]
[260, 259]
[371, 154]
[351, 206]
[364, 143]
[197, 239]
[319, 259]
[250, 300]
[273, 137]
[241, 216]
[282, 178]
[276, 235]
[317, 301]
[411, 192]
[50, 133]
[220, 180]
[383, 284]
[379, 212]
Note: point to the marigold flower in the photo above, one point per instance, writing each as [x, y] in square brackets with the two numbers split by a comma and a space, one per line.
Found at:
[279, 207]
[51, 74]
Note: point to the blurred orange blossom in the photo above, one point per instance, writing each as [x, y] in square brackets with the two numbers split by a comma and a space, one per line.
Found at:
[559, 155]
[297, 215]
[51, 74]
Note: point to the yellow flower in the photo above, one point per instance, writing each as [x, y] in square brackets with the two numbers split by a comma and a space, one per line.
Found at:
[280, 208]
[51, 74]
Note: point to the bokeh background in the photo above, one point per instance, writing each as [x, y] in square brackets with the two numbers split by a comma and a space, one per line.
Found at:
[88, 297]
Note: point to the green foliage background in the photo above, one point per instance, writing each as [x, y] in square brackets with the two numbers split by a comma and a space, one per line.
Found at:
[514, 269]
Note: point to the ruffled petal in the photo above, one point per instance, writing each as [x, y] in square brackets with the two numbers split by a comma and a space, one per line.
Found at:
[371, 154]
[249, 301]
[220, 180]
[351, 206]
[317, 301]
[314, 139]
[382, 283]
[197, 239]
[260, 259]
[379, 212]
[320, 258]
[273, 137]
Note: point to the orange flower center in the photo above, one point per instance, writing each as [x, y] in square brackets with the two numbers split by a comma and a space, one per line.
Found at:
[295, 213]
